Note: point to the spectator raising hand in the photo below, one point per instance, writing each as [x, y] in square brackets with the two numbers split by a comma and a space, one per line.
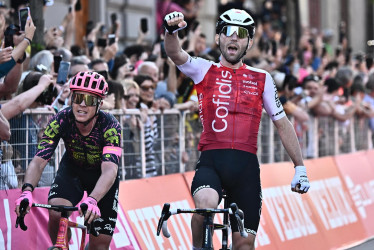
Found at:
[5, 54]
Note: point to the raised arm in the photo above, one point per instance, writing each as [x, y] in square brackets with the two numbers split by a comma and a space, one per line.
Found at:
[174, 22]
[4, 128]
[22, 101]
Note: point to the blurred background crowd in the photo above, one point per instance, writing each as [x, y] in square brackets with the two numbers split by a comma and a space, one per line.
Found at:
[325, 81]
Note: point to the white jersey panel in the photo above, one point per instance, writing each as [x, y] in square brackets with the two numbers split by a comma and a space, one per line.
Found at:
[195, 68]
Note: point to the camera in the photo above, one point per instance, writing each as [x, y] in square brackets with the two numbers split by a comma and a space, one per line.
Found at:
[31, 80]
[11, 30]
[47, 96]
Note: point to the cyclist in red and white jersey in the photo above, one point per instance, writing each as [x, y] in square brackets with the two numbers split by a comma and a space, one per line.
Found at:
[231, 96]
[92, 140]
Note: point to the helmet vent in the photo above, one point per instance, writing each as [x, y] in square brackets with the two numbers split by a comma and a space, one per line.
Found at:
[247, 20]
[79, 82]
[94, 83]
[101, 85]
[87, 82]
[227, 17]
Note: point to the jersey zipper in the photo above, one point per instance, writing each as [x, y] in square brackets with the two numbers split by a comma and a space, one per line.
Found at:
[236, 103]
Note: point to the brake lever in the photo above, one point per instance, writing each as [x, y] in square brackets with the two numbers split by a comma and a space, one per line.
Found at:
[22, 210]
[165, 214]
[90, 226]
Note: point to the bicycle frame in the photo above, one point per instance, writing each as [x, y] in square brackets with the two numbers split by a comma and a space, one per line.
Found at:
[62, 240]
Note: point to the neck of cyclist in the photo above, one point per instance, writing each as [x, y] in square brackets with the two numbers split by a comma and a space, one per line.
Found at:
[86, 127]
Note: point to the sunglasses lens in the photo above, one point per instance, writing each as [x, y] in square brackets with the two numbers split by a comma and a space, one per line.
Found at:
[146, 88]
[89, 100]
[240, 31]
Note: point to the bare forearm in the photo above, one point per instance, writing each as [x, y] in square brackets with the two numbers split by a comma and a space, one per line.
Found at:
[69, 30]
[172, 79]
[4, 128]
[22, 101]
[174, 50]
[12, 79]
[289, 140]
[105, 182]
[20, 50]
[35, 170]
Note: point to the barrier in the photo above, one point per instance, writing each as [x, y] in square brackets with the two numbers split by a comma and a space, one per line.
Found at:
[337, 211]
[179, 134]
[358, 174]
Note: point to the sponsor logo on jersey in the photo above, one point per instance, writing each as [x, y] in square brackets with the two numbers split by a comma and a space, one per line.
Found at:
[250, 82]
[201, 115]
[280, 112]
[221, 100]
[248, 76]
[277, 101]
[250, 92]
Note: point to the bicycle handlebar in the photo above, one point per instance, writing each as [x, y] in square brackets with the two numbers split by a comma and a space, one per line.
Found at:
[90, 227]
[162, 223]
[239, 216]
[58, 208]
[167, 212]
[22, 210]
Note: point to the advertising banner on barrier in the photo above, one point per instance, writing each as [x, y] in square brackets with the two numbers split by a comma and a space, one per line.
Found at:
[285, 214]
[332, 204]
[36, 237]
[143, 200]
[360, 184]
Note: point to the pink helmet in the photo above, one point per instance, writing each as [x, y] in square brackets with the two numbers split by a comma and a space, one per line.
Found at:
[90, 82]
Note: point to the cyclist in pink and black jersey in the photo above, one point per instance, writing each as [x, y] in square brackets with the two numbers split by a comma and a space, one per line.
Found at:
[90, 163]
[231, 97]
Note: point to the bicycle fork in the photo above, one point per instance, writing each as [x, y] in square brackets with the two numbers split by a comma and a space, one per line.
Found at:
[208, 233]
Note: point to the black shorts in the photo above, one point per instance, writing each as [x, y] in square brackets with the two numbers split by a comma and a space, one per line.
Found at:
[71, 186]
[238, 173]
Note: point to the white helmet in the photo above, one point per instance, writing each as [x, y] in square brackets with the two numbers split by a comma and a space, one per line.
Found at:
[238, 18]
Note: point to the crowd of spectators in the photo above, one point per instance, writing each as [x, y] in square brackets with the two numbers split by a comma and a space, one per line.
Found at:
[312, 81]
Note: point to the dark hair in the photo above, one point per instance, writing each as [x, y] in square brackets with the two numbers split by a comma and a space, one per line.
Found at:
[290, 81]
[139, 79]
[76, 50]
[31, 80]
[369, 61]
[96, 61]
[332, 85]
[357, 87]
[136, 49]
[332, 65]
[119, 61]
[116, 88]
[311, 77]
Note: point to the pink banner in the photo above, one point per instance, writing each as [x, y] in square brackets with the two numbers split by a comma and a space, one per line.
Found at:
[36, 236]
[357, 171]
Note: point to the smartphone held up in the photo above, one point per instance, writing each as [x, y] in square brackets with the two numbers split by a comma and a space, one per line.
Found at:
[144, 25]
[63, 72]
[23, 15]
[111, 39]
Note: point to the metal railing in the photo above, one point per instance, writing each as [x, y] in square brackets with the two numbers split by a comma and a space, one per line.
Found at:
[178, 135]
